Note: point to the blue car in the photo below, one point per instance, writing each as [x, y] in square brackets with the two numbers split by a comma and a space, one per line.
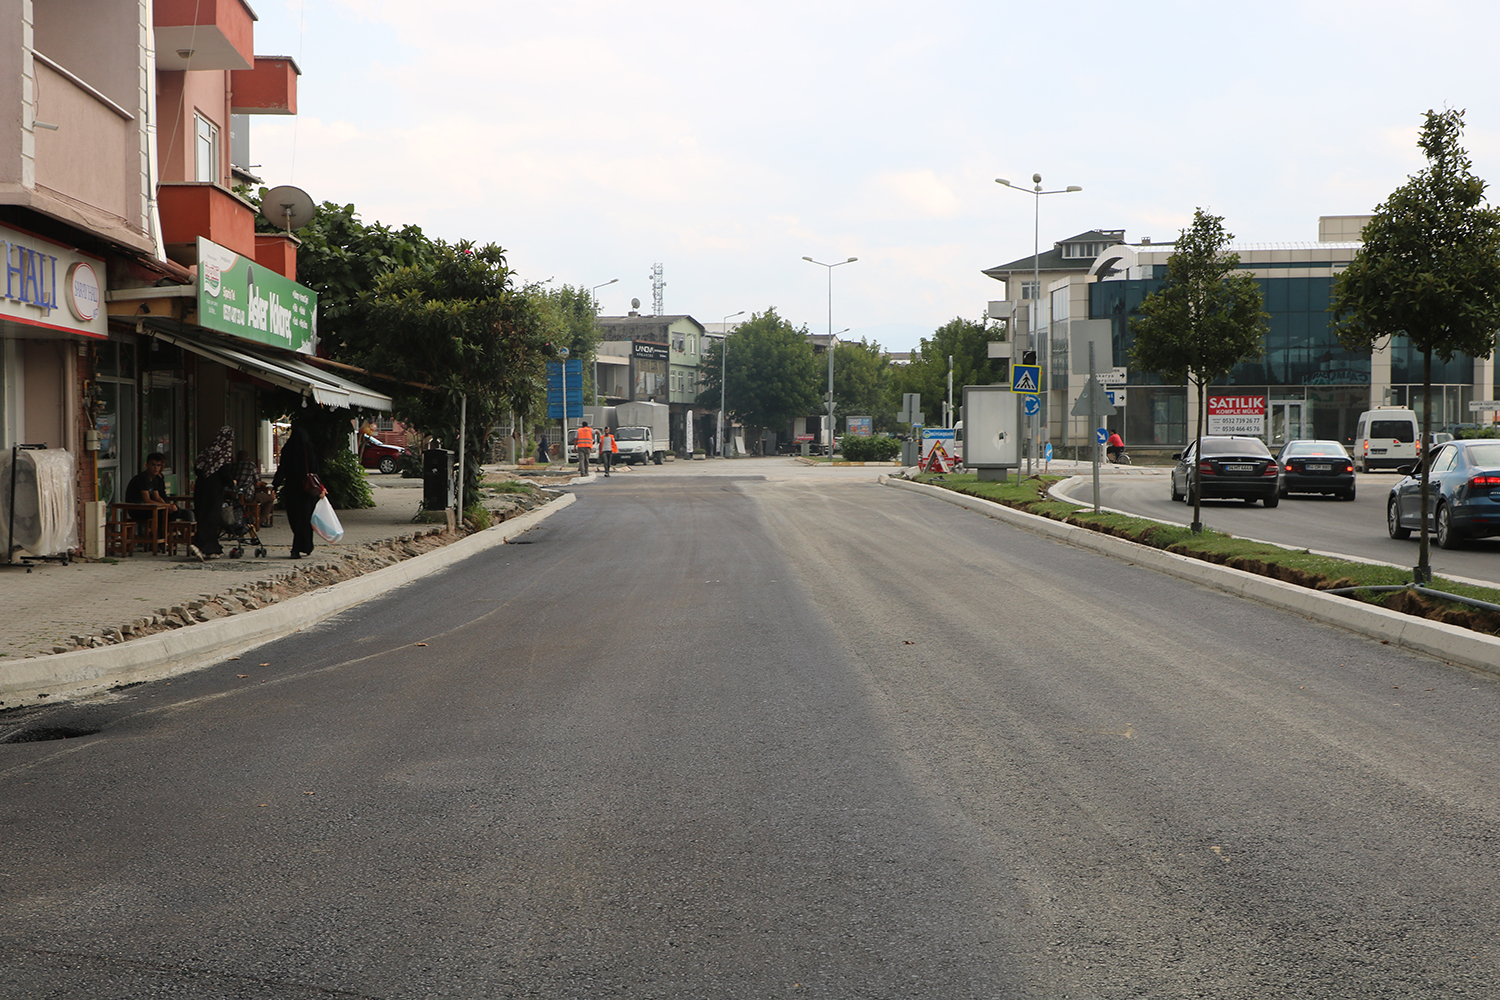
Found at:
[1463, 489]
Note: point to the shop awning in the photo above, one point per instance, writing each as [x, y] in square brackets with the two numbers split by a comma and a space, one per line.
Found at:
[325, 387]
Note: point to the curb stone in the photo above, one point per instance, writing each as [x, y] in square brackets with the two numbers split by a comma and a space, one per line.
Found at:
[1438, 639]
[63, 676]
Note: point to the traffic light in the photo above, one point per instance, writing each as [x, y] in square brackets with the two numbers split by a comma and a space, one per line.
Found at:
[1028, 357]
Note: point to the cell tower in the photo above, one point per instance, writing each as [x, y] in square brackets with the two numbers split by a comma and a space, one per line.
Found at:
[657, 285]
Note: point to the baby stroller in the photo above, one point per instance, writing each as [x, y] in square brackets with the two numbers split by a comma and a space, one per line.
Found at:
[233, 526]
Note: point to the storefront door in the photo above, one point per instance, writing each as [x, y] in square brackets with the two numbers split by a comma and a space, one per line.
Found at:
[1286, 423]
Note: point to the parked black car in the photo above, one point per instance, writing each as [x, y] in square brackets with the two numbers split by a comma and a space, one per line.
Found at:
[1463, 488]
[1316, 467]
[1232, 468]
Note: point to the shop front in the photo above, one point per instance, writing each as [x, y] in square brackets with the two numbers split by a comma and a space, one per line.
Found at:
[51, 315]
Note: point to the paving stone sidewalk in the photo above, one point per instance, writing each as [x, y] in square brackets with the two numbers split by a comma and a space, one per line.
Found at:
[55, 608]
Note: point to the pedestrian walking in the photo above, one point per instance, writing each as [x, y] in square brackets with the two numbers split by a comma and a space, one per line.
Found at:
[298, 475]
[214, 469]
[585, 447]
[541, 449]
[608, 450]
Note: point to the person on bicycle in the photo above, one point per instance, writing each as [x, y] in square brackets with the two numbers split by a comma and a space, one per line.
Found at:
[1116, 447]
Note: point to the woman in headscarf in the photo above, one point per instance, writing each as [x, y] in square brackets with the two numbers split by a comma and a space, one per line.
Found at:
[214, 469]
[298, 458]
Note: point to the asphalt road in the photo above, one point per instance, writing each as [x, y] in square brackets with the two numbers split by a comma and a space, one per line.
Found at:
[716, 736]
[1320, 523]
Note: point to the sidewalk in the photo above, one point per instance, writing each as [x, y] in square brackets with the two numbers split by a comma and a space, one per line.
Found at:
[56, 608]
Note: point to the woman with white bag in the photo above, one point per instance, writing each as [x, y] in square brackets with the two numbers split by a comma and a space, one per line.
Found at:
[298, 478]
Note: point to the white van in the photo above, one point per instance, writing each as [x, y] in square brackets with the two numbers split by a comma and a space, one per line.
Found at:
[1385, 438]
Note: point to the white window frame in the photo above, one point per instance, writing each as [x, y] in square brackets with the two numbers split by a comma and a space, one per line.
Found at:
[205, 165]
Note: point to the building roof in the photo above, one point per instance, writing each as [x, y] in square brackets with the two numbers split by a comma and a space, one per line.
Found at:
[650, 328]
[1053, 259]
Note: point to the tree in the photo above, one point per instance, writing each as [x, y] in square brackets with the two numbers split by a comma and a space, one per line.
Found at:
[861, 382]
[1201, 322]
[456, 324]
[772, 374]
[568, 315]
[968, 343]
[1429, 270]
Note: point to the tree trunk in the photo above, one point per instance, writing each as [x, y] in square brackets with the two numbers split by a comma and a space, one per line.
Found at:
[1197, 490]
[1422, 574]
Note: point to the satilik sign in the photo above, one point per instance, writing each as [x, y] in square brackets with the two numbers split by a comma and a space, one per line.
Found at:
[1245, 415]
[244, 299]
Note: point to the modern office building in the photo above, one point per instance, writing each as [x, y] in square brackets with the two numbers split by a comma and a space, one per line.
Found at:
[1310, 385]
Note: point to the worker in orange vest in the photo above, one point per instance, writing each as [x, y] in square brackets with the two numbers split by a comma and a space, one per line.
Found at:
[607, 449]
[584, 446]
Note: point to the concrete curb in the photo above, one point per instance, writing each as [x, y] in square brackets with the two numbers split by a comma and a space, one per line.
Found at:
[1446, 642]
[68, 675]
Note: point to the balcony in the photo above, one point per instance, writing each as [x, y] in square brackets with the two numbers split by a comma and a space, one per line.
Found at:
[204, 34]
[191, 210]
[268, 89]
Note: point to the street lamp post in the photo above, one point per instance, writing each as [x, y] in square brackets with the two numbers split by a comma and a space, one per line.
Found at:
[723, 374]
[1036, 281]
[830, 267]
[594, 300]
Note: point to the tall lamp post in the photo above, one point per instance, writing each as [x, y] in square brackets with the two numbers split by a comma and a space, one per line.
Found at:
[1036, 280]
[830, 267]
[594, 300]
[723, 374]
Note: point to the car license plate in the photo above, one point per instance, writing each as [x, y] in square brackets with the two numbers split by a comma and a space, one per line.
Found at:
[1239, 468]
[1319, 467]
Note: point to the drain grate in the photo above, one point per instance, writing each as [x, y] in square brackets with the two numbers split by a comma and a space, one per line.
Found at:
[43, 734]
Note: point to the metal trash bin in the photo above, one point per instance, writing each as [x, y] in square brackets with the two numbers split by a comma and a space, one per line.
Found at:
[437, 479]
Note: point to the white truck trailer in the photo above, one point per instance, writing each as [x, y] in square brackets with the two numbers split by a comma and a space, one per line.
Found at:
[641, 432]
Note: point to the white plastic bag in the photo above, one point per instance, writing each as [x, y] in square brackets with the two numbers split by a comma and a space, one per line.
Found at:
[325, 522]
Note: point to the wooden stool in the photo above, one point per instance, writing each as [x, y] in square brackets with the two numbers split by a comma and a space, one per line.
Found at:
[180, 533]
[119, 537]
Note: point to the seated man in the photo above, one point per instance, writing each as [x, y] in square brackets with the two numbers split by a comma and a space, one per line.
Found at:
[150, 487]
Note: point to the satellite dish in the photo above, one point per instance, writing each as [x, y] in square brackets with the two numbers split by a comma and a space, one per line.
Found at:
[635, 303]
[288, 207]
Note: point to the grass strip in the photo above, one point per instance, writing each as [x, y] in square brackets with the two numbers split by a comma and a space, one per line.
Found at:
[1295, 566]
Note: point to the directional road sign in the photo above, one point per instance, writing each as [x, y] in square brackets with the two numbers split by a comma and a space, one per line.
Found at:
[1102, 433]
[1093, 401]
[1026, 378]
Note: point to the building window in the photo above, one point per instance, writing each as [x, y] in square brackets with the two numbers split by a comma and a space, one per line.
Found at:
[206, 150]
[1028, 289]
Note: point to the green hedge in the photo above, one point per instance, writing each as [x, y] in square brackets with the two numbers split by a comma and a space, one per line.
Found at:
[870, 449]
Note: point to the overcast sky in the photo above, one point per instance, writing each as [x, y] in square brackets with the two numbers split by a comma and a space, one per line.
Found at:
[726, 140]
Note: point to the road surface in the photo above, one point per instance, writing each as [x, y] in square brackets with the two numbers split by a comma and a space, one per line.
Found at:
[769, 734]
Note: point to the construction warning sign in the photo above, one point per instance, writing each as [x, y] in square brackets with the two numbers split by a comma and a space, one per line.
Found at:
[938, 449]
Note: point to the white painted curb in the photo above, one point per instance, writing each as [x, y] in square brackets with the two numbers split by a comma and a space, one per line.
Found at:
[46, 679]
[1446, 642]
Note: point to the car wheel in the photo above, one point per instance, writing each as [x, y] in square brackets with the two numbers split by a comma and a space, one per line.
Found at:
[1448, 537]
[1272, 500]
[387, 465]
[1176, 496]
[1393, 521]
[1347, 494]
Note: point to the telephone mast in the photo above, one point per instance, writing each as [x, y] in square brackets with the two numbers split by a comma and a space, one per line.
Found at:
[657, 285]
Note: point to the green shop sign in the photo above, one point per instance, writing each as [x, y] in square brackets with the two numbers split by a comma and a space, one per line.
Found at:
[239, 297]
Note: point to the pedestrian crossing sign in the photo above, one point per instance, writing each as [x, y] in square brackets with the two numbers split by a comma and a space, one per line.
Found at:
[1026, 378]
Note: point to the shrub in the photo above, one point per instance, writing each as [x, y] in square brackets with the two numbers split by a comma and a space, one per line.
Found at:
[870, 449]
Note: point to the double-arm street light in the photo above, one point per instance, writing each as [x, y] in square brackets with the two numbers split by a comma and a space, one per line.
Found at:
[594, 301]
[830, 267]
[723, 354]
[1036, 279]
